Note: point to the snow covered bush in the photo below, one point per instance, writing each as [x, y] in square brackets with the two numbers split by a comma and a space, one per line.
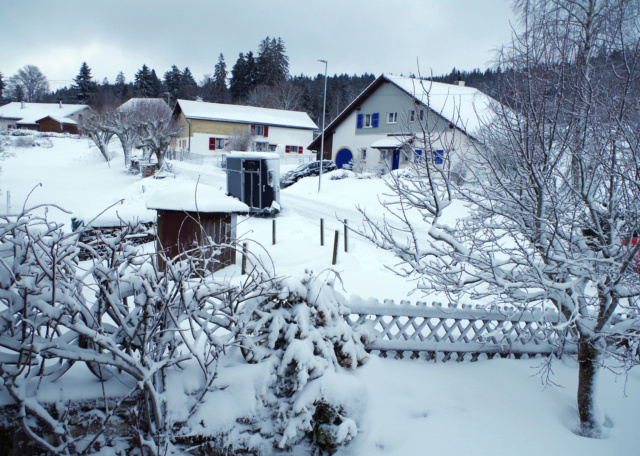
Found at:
[311, 399]
[123, 319]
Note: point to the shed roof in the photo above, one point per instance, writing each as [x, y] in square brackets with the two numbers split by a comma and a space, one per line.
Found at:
[245, 114]
[30, 113]
[192, 197]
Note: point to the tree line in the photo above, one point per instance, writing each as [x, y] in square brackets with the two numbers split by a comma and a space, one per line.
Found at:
[262, 79]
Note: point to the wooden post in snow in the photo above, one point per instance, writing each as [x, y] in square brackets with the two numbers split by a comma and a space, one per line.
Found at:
[321, 232]
[335, 248]
[244, 258]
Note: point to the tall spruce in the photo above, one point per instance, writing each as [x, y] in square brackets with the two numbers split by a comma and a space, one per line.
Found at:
[173, 81]
[84, 84]
[143, 82]
[272, 64]
[243, 76]
[2, 86]
[220, 72]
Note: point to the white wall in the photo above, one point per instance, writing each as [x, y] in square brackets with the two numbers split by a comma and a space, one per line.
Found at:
[279, 136]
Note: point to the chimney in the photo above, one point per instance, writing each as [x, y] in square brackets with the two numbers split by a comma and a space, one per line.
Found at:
[22, 105]
[60, 105]
[461, 83]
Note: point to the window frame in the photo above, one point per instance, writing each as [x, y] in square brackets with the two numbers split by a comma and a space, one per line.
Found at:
[389, 117]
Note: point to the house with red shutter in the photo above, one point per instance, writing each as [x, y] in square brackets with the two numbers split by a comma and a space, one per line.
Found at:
[397, 121]
[208, 128]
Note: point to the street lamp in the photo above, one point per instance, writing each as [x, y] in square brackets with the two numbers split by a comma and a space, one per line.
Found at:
[324, 107]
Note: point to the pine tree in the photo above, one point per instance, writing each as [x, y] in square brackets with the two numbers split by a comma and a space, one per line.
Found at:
[156, 85]
[239, 86]
[3, 85]
[84, 84]
[172, 81]
[143, 84]
[272, 62]
[220, 72]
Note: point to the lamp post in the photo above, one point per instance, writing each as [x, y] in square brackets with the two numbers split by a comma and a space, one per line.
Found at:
[324, 107]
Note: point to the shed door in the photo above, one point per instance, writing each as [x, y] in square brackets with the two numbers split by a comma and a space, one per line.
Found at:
[252, 189]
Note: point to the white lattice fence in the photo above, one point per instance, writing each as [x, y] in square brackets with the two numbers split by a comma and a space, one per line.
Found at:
[435, 332]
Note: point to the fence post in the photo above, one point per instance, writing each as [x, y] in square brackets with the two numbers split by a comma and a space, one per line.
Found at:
[244, 258]
[345, 235]
[321, 232]
[335, 248]
[8, 202]
[273, 237]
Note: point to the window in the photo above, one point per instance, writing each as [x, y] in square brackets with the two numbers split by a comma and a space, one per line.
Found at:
[259, 130]
[367, 120]
[392, 117]
[293, 150]
[214, 143]
[412, 116]
[363, 154]
[422, 114]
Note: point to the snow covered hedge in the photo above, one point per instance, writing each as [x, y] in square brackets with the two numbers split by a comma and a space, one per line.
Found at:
[131, 325]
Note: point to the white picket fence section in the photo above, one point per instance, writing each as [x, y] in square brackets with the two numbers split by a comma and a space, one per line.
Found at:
[435, 332]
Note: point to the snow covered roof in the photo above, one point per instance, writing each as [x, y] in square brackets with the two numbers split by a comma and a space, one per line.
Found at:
[135, 103]
[58, 119]
[245, 114]
[390, 142]
[465, 107]
[256, 155]
[29, 113]
[186, 197]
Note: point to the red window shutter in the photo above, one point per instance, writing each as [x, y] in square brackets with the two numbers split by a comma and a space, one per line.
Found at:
[253, 130]
[287, 149]
[212, 143]
[266, 131]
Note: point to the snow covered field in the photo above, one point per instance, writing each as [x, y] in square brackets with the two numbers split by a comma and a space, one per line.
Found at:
[492, 407]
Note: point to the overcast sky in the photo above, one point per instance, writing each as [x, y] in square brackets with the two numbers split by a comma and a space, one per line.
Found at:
[355, 36]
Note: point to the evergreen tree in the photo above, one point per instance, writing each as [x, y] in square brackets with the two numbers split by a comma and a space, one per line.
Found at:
[156, 84]
[272, 62]
[143, 85]
[188, 85]
[120, 79]
[239, 86]
[172, 81]
[220, 72]
[84, 84]
[2, 86]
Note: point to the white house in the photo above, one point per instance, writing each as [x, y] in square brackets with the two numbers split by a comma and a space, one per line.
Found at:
[208, 127]
[397, 118]
[56, 117]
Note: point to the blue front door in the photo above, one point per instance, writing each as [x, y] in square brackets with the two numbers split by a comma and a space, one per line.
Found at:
[395, 164]
[343, 157]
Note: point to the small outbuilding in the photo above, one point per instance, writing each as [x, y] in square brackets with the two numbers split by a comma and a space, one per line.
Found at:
[197, 221]
[254, 178]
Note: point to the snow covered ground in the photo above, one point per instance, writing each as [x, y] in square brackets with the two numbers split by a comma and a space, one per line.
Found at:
[491, 407]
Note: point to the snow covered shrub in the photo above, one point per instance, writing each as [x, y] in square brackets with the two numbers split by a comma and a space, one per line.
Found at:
[122, 318]
[42, 141]
[312, 399]
[24, 141]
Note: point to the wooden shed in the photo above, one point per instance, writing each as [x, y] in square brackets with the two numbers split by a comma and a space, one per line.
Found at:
[199, 223]
[58, 125]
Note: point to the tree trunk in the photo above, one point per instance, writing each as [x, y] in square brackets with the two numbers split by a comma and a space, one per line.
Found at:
[587, 372]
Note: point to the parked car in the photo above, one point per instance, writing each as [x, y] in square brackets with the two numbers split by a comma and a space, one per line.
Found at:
[306, 170]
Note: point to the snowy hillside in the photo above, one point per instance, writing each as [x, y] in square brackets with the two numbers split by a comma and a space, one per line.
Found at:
[406, 407]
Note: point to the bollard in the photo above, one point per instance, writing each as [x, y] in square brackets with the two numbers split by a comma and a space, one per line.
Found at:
[273, 238]
[321, 232]
[345, 235]
[335, 248]
[244, 259]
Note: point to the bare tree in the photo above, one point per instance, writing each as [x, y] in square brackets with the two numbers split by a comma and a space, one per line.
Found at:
[93, 126]
[155, 126]
[121, 122]
[240, 140]
[31, 82]
[555, 212]
[283, 95]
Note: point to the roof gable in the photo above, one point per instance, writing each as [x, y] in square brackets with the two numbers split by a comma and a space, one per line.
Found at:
[245, 114]
[464, 107]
